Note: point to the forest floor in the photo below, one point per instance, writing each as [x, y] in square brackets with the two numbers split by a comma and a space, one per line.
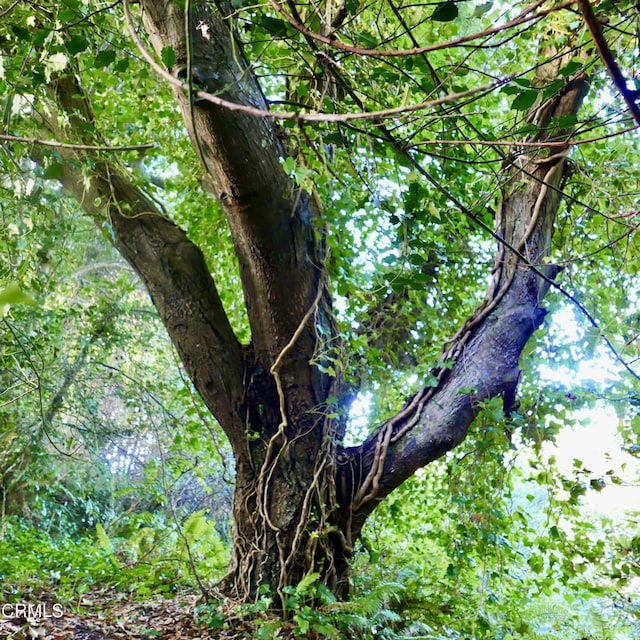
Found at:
[108, 614]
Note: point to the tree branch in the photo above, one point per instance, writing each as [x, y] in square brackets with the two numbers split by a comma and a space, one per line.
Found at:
[595, 29]
[529, 14]
[301, 116]
[171, 266]
[281, 262]
[70, 145]
[482, 360]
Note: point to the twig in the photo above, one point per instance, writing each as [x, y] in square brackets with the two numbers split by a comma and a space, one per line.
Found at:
[318, 116]
[73, 145]
[343, 46]
[524, 143]
[9, 9]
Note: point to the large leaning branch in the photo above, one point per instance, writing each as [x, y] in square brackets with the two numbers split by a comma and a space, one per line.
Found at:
[171, 266]
[482, 361]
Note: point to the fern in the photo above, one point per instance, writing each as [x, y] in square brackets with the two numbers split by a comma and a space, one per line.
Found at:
[304, 586]
[372, 601]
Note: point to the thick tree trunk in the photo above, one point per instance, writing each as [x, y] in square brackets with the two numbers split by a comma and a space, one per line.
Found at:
[301, 499]
[285, 476]
[283, 527]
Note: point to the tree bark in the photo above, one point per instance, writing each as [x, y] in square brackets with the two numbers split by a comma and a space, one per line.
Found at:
[285, 478]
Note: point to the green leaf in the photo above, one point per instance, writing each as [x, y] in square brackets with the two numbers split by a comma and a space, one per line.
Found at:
[306, 582]
[274, 26]
[482, 9]
[553, 88]
[53, 171]
[68, 14]
[168, 56]
[325, 629]
[103, 539]
[536, 563]
[21, 32]
[524, 100]
[510, 90]
[77, 44]
[269, 630]
[445, 12]
[13, 294]
[104, 58]
[195, 525]
[122, 65]
[289, 165]
[303, 624]
[567, 121]
[571, 68]
[39, 37]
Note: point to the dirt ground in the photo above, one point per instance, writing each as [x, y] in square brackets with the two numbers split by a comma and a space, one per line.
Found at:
[108, 614]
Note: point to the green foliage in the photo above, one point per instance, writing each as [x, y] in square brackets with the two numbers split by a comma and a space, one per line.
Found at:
[505, 553]
[445, 11]
[103, 447]
[312, 612]
[31, 560]
[11, 293]
[145, 555]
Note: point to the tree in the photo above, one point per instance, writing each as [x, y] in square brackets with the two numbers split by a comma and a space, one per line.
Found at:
[282, 397]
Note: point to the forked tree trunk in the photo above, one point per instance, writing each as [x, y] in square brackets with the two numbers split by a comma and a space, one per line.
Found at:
[301, 498]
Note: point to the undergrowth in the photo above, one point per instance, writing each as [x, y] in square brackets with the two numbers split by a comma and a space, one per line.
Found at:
[146, 557]
[142, 556]
[405, 594]
[312, 611]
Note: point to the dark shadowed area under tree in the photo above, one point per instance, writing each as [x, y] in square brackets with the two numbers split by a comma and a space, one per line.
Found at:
[337, 209]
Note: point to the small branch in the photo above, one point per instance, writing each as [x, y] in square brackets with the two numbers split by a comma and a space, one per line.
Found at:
[56, 403]
[72, 145]
[88, 17]
[318, 116]
[9, 9]
[524, 143]
[343, 46]
[102, 265]
[595, 28]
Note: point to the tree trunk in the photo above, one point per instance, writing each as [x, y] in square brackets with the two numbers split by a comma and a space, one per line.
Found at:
[283, 523]
[301, 498]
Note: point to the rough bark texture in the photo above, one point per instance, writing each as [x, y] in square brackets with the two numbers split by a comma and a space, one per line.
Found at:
[301, 499]
[284, 478]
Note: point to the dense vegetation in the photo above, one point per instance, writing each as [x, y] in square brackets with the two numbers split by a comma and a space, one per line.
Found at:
[352, 423]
